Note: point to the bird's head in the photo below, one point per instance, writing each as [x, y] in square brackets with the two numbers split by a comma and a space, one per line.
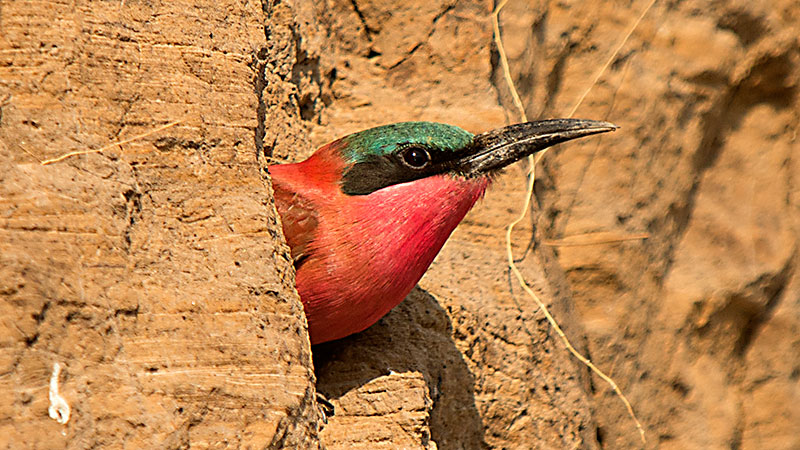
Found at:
[379, 157]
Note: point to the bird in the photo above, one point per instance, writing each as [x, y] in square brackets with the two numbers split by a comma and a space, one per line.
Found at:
[365, 215]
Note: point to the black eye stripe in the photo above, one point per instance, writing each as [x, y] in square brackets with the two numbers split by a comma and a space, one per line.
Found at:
[409, 162]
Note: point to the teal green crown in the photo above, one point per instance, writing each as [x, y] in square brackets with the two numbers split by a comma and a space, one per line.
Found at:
[386, 139]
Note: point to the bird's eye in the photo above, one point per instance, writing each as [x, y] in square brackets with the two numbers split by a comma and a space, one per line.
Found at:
[416, 157]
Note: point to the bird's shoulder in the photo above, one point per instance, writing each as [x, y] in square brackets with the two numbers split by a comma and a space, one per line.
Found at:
[299, 217]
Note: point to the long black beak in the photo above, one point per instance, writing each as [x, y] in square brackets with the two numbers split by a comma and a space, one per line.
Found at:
[496, 149]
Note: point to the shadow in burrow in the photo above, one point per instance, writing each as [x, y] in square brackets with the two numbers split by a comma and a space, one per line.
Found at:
[416, 336]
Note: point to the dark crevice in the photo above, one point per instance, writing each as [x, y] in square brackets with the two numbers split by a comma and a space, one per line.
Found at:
[436, 18]
[267, 5]
[258, 65]
[747, 27]
[39, 317]
[133, 209]
[738, 430]
[526, 79]
[555, 78]
[129, 312]
[30, 340]
[307, 78]
[772, 289]
[680, 388]
[601, 436]
[289, 81]
[167, 143]
[496, 71]
[367, 29]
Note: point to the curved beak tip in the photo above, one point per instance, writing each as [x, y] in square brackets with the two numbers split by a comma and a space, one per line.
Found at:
[595, 125]
[610, 126]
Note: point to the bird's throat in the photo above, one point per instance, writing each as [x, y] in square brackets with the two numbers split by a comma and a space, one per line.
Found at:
[374, 249]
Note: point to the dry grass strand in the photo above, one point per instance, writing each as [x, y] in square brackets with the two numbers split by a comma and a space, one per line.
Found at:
[104, 148]
[529, 196]
[600, 237]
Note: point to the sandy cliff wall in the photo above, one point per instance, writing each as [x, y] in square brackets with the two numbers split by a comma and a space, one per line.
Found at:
[154, 272]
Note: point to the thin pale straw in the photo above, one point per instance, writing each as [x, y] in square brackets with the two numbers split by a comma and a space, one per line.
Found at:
[529, 194]
[102, 149]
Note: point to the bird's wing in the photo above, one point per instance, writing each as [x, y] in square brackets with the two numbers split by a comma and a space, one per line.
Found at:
[299, 219]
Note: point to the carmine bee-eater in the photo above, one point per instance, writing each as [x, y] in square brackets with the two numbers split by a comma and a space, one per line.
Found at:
[365, 215]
